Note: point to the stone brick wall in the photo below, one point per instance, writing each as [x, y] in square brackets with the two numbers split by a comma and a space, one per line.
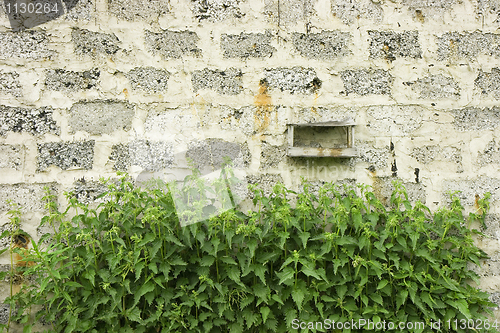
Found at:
[139, 85]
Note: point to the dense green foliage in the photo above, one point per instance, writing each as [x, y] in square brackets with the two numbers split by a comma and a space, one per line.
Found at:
[339, 254]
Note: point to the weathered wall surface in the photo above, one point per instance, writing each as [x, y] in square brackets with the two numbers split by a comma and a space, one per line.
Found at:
[138, 86]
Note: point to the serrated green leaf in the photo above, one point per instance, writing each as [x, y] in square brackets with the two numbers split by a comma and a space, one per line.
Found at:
[286, 275]
[298, 296]
[382, 284]
[264, 310]
[259, 271]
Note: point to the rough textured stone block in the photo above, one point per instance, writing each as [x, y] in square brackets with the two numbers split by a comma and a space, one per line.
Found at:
[391, 45]
[247, 45]
[383, 188]
[212, 152]
[397, 120]
[172, 44]
[476, 119]
[32, 121]
[489, 83]
[469, 188]
[484, 7]
[293, 80]
[87, 191]
[468, 45]
[65, 155]
[349, 11]
[12, 156]
[148, 79]
[378, 158]
[69, 81]
[138, 9]
[265, 182]
[428, 154]
[216, 10]
[91, 43]
[79, 10]
[420, 9]
[101, 117]
[367, 81]
[149, 155]
[4, 313]
[226, 82]
[9, 83]
[285, 13]
[31, 45]
[324, 45]
[490, 154]
[28, 196]
[436, 87]
[271, 156]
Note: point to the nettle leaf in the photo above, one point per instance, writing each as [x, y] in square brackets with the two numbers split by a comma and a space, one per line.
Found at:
[304, 237]
[259, 271]
[252, 245]
[207, 260]
[382, 284]
[285, 275]
[250, 317]
[264, 310]
[233, 272]
[298, 295]
[401, 297]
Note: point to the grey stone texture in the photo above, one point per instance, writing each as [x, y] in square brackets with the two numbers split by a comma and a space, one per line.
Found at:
[436, 87]
[101, 117]
[265, 182]
[170, 44]
[138, 9]
[428, 154]
[247, 45]
[211, 153]
[421, 9]
[399, 120]
[383, 188]
[367, 81]
[489, 83]
[216, 10]
[390, 45]
[66, 155]
[293, 80]
[325, 45]
[378, 158]
[27, 196]
[224, 82]
[9, 83]
[468, 189]
[149, 155]
[476, 119]
[468, 45]
[89, 43]
[69, 81]
[79, 10]
[484, 7]
[33, 121]
[271, 155]
[242, 119]
[349, 11]
[148, 79]
[87, 191]
[490, 154]
[12, 156]
[4, 313]
[286, 13]
[32, 45]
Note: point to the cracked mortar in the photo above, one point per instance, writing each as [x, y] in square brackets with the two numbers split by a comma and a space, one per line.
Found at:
[66, 155]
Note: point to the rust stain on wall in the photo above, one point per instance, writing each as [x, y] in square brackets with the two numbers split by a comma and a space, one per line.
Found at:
[264, 107]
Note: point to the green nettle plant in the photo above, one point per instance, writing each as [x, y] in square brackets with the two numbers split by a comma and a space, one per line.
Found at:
[338, 255]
